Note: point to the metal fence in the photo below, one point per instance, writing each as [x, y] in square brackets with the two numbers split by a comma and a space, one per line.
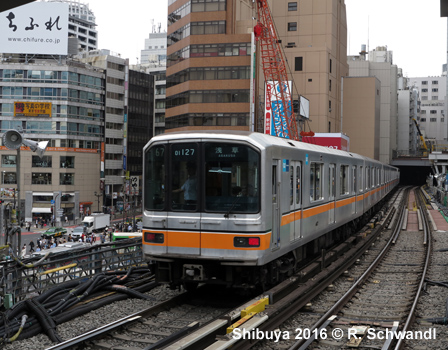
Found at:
[31, 277]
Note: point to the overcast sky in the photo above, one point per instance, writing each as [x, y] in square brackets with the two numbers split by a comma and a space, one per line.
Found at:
[412, 29]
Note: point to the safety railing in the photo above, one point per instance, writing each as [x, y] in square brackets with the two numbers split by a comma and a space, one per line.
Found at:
[21, 279]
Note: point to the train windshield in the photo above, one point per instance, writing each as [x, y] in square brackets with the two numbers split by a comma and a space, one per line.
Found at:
[210, 177]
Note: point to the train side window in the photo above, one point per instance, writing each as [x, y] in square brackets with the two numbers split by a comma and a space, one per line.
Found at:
[354, 179]
[343, 179]
[367, 177]
[361, 179]
[298, 174]
[316, 181]
[332, 181]
[291, 183]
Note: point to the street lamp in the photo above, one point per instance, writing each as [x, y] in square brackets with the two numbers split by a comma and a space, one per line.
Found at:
[98, 195]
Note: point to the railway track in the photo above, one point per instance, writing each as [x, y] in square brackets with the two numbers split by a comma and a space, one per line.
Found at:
[188, 325]
[385, 288]
[138, 330]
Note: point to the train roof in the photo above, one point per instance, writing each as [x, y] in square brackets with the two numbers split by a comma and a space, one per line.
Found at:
[261, 140]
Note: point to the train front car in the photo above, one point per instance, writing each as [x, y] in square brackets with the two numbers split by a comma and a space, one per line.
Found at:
[202, 217]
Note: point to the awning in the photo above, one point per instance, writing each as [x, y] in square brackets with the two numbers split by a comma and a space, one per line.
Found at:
[41, 210]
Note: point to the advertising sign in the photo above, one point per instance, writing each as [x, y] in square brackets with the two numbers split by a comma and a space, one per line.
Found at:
[35, 28]
[330, 140]
[275, 122]
[32, 109]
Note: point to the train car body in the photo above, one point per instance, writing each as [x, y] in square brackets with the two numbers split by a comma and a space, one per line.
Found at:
[246, 208]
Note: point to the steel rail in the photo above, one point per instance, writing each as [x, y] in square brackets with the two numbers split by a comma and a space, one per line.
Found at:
[304, 343]
[427, 243]
[113, 326]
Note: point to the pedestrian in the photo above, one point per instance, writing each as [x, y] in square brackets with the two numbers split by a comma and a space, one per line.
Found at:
[66, 219]
[28, 226]
[82, 237]
[31, 246]
[38, 244]
[37, 223]
[93, 238]
[23, 251]
[103, 238]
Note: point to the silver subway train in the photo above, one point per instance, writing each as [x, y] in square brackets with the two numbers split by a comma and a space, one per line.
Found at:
[246, 209]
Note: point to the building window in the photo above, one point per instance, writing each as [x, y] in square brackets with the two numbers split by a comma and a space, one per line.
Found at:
[9, 178]
[433, 111]
[44, 162]
[435, 82]
[329, 85]
[67, 179]
[435, 90]
[424, 82]
[9, 161]
[292, 26]
[424, 90]
[423, 111]
[330, 64]
[41, 178]
[432, 120]
[423, 120]
[298, 64]
[292, 6]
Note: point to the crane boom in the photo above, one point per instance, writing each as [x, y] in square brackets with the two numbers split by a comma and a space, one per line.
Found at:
[274, 68]
[420, 134]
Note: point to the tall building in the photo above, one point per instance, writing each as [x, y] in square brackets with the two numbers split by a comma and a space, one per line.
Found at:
[61, 102]
[361, 114]
[81, 24]
[433, 121]
[314, 37]
[153, 62]
[379, 64]
[408, 142]
[155, 49]
[209, 61]
[208, 65]
[116, 71]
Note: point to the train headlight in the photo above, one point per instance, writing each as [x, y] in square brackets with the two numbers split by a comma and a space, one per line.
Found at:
[246, 242]
[151, 237]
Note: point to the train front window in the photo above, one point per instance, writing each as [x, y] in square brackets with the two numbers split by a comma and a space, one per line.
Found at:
[184, 176]
[155, 178]
[231, 178]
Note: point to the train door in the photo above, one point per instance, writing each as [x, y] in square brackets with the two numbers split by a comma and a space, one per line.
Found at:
[295, 174]
[331, 192]
[354, 187]
[276, 215]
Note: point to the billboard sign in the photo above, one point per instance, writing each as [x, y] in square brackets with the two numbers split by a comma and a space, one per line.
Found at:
[35, 28]
[32, 109]
[331, 140]
[275, 122]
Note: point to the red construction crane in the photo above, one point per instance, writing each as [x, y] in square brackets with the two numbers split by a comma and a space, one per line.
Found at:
[274, 68]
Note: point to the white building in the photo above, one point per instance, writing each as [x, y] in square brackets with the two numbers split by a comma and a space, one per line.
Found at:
[82, 24]
[154, 52]
[433, 121]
